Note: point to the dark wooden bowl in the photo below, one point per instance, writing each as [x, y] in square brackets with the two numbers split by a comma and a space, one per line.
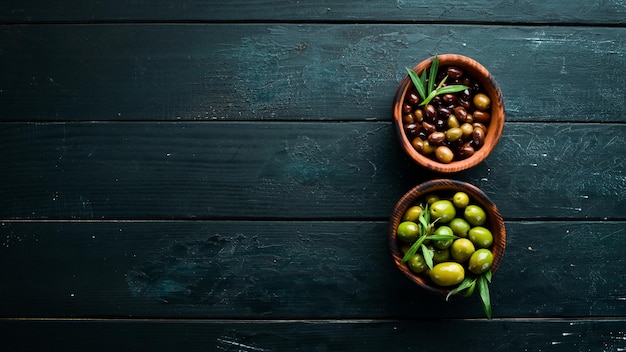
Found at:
[494, 130]
[494, 222]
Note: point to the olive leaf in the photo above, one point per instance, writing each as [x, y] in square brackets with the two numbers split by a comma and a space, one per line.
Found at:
[466, 283]
[483, 290]
[434, 67]
[426, 89]
[423, 219]
[428, 256]
[441, 237]
[470, 289]
[488, 275]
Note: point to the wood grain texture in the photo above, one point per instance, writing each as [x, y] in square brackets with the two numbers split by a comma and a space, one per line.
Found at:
[295, 71]
[247, 336]
[321, 170]
[290, 270]
[553, 11]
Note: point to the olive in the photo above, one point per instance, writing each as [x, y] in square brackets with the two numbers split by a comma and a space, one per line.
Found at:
[407, 231]
[408, 118]
[467, 129]
[447, 274]
[418, 144]
[418, 115]
[460, 199]
[466, 150]
[453, 122]
[431, 198]
[481, 101]
[443, 244]
[407, 108]
[443, 210]
[450, 99]
[417, 264]
[428, 148]
[461, 113]
[480, 236]
[413, 98]
[441, 255]
[411, 130]
[444, 154]
[479, 125]
[437, 138]
[461, 250]
[454, 134]
[482, 116]
[454, 72]
[460, 227]
[480, 261]
[428, 127]
[413, 213]
[443, 113]
[478, 137]
[475, 215]
[430, 112]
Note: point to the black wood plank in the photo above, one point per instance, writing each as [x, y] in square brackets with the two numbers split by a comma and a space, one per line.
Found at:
[232, 170]
[291, 270]
[552, 11]
[251, 336]
[294, 71]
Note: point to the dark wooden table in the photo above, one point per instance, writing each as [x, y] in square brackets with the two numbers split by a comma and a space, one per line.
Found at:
[181, 176]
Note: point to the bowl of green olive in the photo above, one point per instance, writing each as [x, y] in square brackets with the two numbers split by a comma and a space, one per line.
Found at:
[447, 237]
[448, 113]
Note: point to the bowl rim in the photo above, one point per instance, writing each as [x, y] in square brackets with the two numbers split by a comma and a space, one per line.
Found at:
[494, 218]
[494, 130]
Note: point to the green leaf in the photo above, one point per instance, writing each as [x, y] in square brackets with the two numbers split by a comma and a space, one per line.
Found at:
[419, 85]
[467, 282]
[470, 290]
[413, 249]
[429, 98]
[483, 289]
[451, 89]
[441, 237]
[488, 275]
[428, 256]
[434, 67]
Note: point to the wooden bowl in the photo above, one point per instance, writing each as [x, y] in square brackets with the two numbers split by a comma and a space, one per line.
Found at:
[494, 222]
[494, 130]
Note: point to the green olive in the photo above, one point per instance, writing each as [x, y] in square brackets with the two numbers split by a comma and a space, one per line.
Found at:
[460, 200]
[461, 250]
[475, 215]
[481, 101]
[447, 274]
[441, 255]
[407, 231]
[453, 122]
[443, 244]
[431, 198]
[413, 213]
[481, 237]
[480, 261]
[427, 148]
[454, 134]
[417, 264]
[443, 210]
[459, 227]
[467, 129]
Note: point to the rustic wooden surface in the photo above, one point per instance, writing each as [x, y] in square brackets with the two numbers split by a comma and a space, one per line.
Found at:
[218, 176]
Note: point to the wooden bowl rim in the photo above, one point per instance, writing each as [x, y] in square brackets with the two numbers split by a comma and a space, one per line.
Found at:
[496, 125]
[495, 221]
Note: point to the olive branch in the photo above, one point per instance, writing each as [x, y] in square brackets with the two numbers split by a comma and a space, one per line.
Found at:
[426, 88]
